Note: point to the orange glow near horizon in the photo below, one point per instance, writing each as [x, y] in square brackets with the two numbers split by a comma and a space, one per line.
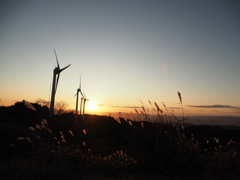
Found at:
[95, 108]
[188, 112]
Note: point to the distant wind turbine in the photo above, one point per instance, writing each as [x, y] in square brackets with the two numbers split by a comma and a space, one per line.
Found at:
[1, 102]
[199, 121]
[56, 75]
[78, 90]
[84, 103]
[213, 121]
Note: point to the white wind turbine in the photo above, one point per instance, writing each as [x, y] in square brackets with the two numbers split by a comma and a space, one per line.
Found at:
[56, 75]
[84, 102]
[78, 90]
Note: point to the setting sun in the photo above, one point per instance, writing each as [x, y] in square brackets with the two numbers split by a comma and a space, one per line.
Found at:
[92, 106]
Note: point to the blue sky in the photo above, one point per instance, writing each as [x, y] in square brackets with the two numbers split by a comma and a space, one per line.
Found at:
[125, 51]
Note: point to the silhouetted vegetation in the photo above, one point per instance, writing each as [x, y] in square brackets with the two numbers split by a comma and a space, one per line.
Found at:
[102, 147]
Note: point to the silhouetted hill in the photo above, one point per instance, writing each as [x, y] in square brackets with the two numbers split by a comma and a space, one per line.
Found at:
[23, 115]
[206, 132]
[101, 144]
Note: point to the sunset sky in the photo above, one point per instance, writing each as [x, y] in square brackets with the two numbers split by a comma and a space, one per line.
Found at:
[126, 51]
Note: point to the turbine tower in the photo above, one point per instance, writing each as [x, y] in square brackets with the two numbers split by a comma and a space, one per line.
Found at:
[56, 75]
[78, 90]
[81, 104]
[84, 102]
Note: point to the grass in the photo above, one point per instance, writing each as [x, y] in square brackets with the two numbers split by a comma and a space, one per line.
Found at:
[147, 147]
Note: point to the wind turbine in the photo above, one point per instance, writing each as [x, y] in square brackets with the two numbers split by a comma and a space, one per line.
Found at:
[78, 90]
[213, 121]
[199, 121]
[56, 75]
[1, 102]
[84, 102]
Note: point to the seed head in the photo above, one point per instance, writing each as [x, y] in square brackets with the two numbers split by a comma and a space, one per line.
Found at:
[180, 97]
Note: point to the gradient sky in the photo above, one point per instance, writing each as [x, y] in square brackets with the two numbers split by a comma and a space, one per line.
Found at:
[125, 51]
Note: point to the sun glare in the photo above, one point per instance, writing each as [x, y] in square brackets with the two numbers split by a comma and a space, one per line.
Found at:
[92, 106]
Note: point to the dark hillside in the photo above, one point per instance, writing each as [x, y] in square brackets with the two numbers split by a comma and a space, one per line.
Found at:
[202, 133]
[101, 146]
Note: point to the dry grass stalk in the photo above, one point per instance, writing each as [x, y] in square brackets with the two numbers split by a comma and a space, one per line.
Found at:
[180, 98]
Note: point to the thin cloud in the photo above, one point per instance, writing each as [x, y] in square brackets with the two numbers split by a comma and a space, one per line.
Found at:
[174, 108]
[126, 106]
[118, 106]
[214, 106]
[100, 105]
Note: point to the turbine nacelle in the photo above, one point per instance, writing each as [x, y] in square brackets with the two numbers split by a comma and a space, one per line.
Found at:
[86, 99]
[78, 90]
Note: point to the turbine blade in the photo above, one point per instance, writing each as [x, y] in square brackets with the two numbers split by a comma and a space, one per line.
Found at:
[81, 93]
[80, 83]
[56, 58]
[57, 83]
[64, 68]
[79, 89]
[75, 95]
